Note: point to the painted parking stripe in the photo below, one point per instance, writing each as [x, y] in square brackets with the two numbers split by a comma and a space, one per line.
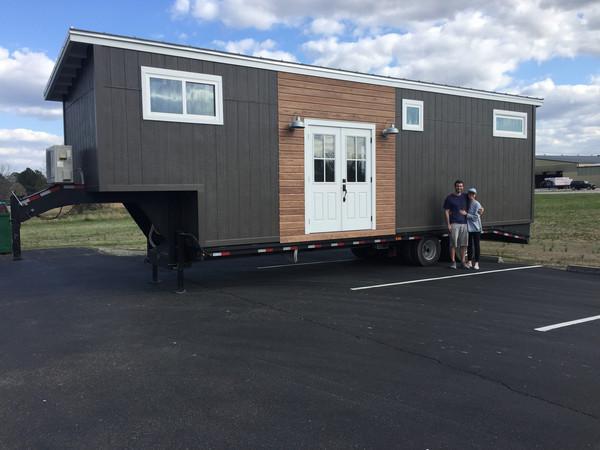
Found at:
[424, 280]
[567, 324]
[307, 263]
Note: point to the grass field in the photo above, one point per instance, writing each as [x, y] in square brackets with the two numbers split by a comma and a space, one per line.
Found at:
[566, 231]
[107, 227]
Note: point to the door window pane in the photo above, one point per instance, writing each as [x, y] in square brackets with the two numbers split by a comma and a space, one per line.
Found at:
[329, 146]
[319, 170]
[318, 145]
[166, 96]
[330, 170]
[350, 147]
[351, 171]
[361, 148]
[361, 171]
[200, 99]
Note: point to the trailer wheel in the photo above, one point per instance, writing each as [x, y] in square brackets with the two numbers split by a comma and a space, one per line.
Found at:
[426, 251]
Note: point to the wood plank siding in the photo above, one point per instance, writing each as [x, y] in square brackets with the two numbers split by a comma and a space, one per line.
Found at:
[322, 98]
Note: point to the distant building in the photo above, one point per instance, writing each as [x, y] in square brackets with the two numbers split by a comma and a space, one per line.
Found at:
[572, 166]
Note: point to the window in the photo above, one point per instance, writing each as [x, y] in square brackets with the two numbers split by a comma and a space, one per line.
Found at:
[176, 96]
[510, 124]
[324, 157]
[412, 115]
[356, 159]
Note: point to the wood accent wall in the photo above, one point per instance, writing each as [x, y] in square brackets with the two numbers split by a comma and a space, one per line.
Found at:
[323, 98]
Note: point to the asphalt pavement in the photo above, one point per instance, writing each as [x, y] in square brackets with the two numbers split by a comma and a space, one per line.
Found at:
[260, 353]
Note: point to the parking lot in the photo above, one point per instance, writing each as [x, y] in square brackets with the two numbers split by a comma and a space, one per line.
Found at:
[260, 353]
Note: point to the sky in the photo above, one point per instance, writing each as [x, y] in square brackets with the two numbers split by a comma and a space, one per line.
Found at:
[541, 48]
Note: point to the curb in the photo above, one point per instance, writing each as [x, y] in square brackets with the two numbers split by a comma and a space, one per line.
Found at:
[584, 269]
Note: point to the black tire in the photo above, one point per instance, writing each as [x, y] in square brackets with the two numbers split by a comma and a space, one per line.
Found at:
[426, 251]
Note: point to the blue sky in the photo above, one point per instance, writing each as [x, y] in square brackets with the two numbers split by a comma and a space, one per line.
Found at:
[546, 48]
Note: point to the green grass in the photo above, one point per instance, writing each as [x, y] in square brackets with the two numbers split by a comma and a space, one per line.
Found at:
[109, 226]
[566, 231]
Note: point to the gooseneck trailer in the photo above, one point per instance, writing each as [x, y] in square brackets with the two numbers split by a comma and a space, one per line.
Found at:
[216, 154]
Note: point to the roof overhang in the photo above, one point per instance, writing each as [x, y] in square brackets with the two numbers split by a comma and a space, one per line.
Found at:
[83, 37]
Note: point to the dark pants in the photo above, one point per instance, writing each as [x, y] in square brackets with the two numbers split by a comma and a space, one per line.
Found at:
[474, 248]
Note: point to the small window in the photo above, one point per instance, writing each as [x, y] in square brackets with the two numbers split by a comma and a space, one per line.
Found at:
[510, 124]
[176, 96]
[412, 115]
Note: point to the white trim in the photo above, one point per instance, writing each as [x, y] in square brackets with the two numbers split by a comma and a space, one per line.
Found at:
[414, 104]
[89, 37]
[510, 115]
[178, 75]
[309, 164]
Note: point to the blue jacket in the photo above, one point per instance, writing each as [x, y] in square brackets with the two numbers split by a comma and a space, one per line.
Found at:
[473, 217]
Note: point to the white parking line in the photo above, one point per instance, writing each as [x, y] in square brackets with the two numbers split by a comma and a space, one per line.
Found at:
[307, 263]
[566, 324]
[423, 280]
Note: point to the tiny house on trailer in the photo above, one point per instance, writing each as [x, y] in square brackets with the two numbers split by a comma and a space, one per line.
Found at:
[217, 154]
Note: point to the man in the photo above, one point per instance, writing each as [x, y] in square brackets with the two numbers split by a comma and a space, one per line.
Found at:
[455, 207]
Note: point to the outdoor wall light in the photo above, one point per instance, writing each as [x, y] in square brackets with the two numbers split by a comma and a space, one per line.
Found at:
[296, 124]
[390, 130]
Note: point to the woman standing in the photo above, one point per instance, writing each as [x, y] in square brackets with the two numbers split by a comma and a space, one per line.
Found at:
[474, 228]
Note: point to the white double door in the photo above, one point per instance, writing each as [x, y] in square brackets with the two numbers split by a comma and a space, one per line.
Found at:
[339, 178]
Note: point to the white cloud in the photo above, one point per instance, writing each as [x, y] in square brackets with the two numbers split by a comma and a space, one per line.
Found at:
[205, 9]
[21, 148]
[264, 49]
[326, 26]
[569, 121]
[180, 8]
[23, 76]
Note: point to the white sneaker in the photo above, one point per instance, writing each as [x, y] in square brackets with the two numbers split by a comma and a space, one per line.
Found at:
[476, 266]
[468, 265]
[453, 265]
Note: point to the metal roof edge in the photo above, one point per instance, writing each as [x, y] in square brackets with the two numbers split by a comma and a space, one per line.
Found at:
[57, 65]
[111, 40]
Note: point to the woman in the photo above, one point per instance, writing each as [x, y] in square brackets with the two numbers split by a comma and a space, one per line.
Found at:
[474, 228]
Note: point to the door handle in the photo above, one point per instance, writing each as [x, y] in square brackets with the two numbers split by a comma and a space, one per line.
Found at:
[344, 190]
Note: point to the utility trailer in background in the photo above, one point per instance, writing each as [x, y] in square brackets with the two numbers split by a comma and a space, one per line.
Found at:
[217, 154]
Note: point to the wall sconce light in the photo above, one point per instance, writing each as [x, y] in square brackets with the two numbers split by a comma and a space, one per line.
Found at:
[296, 124]
[390, 130]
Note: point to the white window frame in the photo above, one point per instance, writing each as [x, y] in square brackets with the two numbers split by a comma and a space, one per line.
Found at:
[510, 115]
[414, 104]
[178, 75]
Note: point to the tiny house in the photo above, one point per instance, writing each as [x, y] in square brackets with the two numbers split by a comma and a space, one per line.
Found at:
[239, 154]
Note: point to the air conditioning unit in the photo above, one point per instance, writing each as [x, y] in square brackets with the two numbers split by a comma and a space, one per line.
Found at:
[59, 164]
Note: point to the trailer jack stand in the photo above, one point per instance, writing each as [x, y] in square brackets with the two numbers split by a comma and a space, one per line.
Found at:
[153, 258]
[180, 263]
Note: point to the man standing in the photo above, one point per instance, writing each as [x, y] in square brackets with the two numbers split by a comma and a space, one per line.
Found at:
[455, 207]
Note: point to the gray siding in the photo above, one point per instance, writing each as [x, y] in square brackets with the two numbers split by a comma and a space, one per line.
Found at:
[233, 166]
[79, 115]
[457, 142]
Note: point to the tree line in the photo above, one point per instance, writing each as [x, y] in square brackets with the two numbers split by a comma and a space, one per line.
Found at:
[22, 183]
